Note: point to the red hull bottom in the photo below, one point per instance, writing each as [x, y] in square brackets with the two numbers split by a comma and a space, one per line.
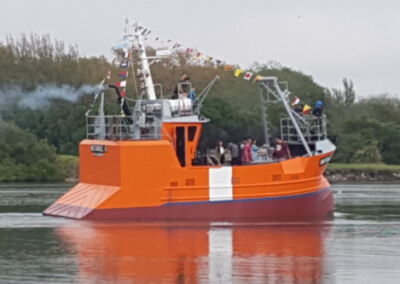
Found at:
[312, 206]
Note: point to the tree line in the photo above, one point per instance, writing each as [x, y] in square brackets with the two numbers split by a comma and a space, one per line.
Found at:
[367, 129]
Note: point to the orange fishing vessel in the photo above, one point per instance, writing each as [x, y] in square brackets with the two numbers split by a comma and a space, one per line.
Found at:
[142, 165]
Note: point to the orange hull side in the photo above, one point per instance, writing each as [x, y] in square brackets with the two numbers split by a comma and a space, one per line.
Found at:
[147, 174]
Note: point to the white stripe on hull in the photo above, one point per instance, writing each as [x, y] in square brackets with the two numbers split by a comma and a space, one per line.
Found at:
[220, 184]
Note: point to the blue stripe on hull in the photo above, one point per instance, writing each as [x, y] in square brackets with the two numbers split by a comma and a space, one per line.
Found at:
[249, 199]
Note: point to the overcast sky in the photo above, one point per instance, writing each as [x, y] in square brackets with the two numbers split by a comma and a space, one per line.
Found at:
[329, 40]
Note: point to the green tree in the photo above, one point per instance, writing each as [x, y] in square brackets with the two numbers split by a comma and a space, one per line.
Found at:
[24, 158]
[363, 126]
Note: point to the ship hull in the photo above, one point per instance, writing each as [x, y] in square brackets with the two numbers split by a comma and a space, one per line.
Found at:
[317, 205]
[144, 181]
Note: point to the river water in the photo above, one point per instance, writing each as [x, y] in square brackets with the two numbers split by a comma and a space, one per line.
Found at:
[361, 244]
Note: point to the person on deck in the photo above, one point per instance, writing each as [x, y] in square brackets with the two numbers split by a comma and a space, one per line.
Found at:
[246, 155]
[234, 150]
[181, 89]
[318, 110]
[298, 108]
[254, 150]
[221, 152]
[241, 146]
[316, 126]
[192, 95]
[282, 151]
[188, 89]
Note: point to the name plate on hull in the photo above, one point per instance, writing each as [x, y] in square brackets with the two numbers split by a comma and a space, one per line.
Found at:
[98, 150]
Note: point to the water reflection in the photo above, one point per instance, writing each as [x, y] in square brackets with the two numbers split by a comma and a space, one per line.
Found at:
[361, 245]
[191, 253]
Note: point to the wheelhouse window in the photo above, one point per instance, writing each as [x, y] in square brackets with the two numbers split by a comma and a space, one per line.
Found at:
[192, 132]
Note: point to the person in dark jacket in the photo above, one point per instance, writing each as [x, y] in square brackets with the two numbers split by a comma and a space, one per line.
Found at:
[181, 87]
[234, 150]
[241, 146]
[318, 110]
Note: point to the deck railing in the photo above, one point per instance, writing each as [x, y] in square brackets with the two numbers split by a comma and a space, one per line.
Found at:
[116, 127]
[109, 127]
[313, 129]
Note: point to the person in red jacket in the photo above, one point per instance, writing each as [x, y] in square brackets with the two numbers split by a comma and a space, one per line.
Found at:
[282, 151]
[246, 155]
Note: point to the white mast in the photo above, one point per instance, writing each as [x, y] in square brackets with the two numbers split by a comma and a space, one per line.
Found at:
[148, 80]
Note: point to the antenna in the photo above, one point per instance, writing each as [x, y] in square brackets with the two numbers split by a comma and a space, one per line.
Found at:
[126, 29]
[148, 80]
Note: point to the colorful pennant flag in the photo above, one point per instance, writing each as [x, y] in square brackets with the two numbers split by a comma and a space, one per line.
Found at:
[248, 75]
[123, 74]
[306, 109]
[123, 49]
[124, 64]
[258, 78]
[238, 72]
[295, 101]
[121, 84]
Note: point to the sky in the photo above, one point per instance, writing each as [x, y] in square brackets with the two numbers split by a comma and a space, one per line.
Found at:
[328, 40]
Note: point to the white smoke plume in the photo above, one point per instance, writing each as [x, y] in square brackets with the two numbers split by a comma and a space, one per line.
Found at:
[42, 95]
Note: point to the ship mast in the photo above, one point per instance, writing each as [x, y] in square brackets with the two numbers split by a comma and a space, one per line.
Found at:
[148, 80]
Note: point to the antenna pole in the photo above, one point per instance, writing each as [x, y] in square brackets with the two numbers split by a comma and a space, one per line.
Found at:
[148, 80]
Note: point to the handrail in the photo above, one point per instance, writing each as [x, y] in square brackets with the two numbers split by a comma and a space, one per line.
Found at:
[313, 129]
[198, 102]
[122, 125]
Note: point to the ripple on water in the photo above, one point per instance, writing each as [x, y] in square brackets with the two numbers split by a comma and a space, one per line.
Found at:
[30, 220]
[361, 245]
